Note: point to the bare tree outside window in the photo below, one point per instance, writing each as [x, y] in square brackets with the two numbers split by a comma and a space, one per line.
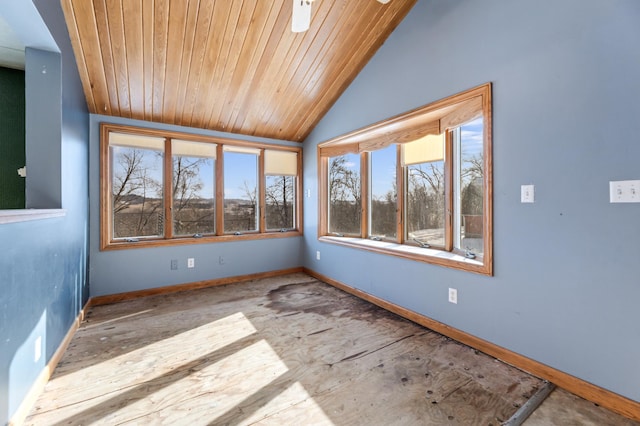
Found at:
[279, 202]
[384, 193]
[469, 138]
[193, 200]
[240, 192]
[425, 215]
[137, 193]
[344, 194]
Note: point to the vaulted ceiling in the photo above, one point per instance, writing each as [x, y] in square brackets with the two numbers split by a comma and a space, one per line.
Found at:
[232, 65]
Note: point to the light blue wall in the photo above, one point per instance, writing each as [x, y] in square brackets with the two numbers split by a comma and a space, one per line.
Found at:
[120, 271]
[43, 264]
[565, 96]
[43, 126]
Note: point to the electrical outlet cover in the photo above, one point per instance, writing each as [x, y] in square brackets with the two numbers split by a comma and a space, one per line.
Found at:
[453, 295]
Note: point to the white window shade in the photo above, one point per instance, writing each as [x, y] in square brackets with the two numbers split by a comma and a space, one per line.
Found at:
[241, 149]
[280, 163]
[193, 149]
[424, 150]
[136, 141]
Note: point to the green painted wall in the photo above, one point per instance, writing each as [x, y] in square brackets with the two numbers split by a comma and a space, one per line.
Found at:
[12, 131]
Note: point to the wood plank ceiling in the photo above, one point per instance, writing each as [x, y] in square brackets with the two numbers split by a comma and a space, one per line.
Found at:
[231, 65]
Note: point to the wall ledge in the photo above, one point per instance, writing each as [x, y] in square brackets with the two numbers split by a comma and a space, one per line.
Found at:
[25, 215]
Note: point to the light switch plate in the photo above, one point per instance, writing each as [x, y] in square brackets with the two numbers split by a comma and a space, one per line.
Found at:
[624, 191]
[527, 193]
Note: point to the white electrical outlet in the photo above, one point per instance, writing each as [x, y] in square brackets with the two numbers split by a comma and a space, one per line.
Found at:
[453, 295]
[318, 255]
[37, 349]
[191, 262]
[308, 193]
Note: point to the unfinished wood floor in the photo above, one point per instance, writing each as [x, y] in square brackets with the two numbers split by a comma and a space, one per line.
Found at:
[279, 351]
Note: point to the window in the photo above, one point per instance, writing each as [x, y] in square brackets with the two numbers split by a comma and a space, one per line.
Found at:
[383, 188]
[416, 186]
[468, 156]
[162, 188]
[344, 195]
[281, 169]
[240, 189]
[424, 168]
[193, 188]
[137, 176]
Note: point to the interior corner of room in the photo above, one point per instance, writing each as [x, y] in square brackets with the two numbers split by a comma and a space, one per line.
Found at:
[460, 172]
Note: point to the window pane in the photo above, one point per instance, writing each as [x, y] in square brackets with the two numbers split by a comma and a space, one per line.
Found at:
[425, 203]
[469, 138]
[344, 194]
[384, 194]
[240, 192]
[280, 196]
[193, 195]
[138, 209]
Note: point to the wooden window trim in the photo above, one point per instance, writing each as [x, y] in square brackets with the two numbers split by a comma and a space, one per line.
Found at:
[262, 217]
[106, 226]
[364, 194]
[438, 117]
[219, 190]
[400, 182]
[167, 196]
[448, 179]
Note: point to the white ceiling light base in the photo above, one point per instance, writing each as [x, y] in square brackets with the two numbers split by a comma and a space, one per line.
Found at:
[301, 16]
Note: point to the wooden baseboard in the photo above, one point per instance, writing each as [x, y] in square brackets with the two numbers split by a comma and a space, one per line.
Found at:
[36, 389]
[605, 398]
[119, 297]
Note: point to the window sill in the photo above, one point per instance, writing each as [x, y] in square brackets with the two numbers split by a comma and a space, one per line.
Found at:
[427, 255]
[25, 215]
[147, 243]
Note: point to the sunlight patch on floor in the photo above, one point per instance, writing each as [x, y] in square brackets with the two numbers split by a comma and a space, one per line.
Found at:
[117, 382]
[295, 399]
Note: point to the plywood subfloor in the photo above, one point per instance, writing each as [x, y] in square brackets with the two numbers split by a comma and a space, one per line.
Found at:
[279, 351]
[565, 409]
